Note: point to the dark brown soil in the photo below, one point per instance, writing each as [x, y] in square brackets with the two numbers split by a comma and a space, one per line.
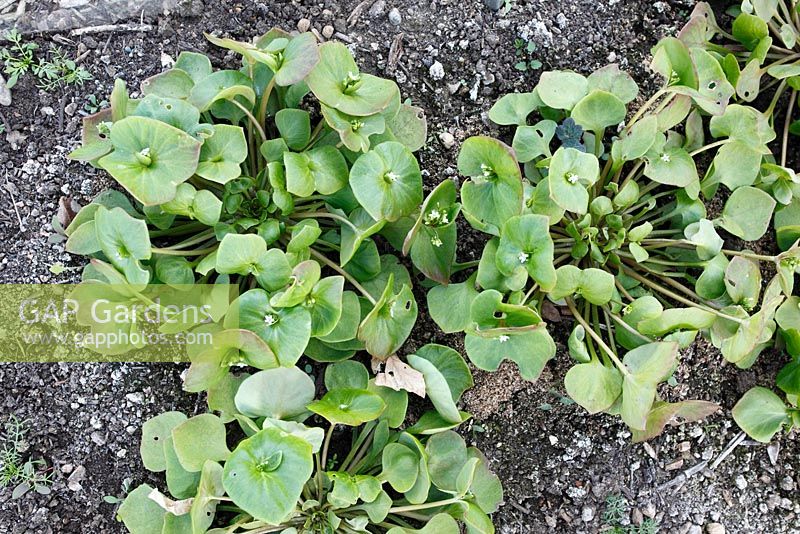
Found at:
[558, 465]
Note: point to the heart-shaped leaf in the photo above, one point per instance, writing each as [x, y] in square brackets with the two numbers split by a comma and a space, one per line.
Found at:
[198, 439]
[222, 154]
[593, 385]
[125, 241]
[598, 110]
[514, 108]
[155, 431]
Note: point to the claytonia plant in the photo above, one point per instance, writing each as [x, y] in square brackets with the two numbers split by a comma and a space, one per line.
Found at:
[761, 53]
[287, 474]
[600, 215]
[276, 179]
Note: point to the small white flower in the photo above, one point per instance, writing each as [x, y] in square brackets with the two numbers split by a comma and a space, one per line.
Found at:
[573, 178]
[434, 214]
[391, 312]
[665, 158]
[270, 319]
[523, 257]
[487, 171]
[436, 242]
[503, 339]
[392, 176]
[444, 219]
[145, 151]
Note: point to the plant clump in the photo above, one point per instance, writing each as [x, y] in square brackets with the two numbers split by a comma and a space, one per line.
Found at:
[260, 193]
[600, 213]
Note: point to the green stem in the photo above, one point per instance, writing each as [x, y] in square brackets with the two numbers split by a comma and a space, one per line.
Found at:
[709, 147]
[678, 298]
[253, 120]
[597, 338]
[170, 252]
[757, 257]
[325, 215]
[786, 126]
[184, 229]
[327, 444]
[199, 238]
[423, 506]
[321, 257]
[626, 326]
[262, 110]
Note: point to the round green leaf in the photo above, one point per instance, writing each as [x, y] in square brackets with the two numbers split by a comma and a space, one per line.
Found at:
[222, 154]
[747, 213]
[598, 110]
[199, 439]
[761, 413]
[285, 330]
[494, 193]
[266, 473]
[387, 181]
[219, 86]
[514, 108]
[346, 375]
[155, 431]
[150, 158]
[571, 172]
[337, 82]
[281, 393]
[615, 81]
[400, 466]
[525, 244]
[562, 89]
[351, 407]
[593, 385]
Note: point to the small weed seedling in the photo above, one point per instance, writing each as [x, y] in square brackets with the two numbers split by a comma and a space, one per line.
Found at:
[15, 470]
[525, 59]
[53, 72]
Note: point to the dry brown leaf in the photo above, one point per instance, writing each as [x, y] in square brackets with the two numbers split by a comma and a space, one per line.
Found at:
[399, 375]
[174, 507]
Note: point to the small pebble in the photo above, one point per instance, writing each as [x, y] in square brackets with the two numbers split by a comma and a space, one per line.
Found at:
[436, 71]
[587, 514]
[494, 5]
[5, 93]
[715, 528]
[740, 482]
[327, 31]
[787, 483]
[448, 141]
[303, 25]
[377, 8]
[394, 16]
